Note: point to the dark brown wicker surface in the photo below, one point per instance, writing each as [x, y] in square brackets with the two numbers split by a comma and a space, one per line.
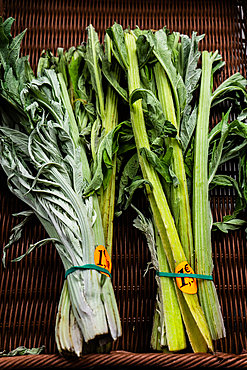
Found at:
[30, 290]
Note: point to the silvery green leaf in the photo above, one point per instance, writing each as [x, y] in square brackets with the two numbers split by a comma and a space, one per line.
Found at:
[9, 46]
[19, 138]
[70, 223]
[145, 225]
[33, 246]
[192, 72]
[54, 196]
[52, 76]
[32, 108]
[17, 231]
[22, 351]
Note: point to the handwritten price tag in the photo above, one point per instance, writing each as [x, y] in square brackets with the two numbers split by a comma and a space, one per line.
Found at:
[186, 284]
[102, 258]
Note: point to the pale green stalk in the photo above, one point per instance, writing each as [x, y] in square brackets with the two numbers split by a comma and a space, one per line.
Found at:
[178, 195]
[201, 207]
[107, 289]
[98, 229]
[161, 211]
[69, 338]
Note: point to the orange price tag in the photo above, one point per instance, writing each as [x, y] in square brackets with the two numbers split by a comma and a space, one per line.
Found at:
[102, 258]
[186, 284]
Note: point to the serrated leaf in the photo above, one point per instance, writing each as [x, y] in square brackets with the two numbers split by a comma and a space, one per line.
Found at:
[162, 166]
[234, 84]
[129, 172]
[4, 42]
[110, 76]
[14, 49]
[130, 190]
[102, 163]
[144, 50]
[153, 112]
[227, 226]
[187, 128]
[164, 55]
[93, 56]
[221, 152]
[119, 49]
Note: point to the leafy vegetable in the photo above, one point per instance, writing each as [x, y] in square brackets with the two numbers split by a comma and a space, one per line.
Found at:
[47, 168]
[156, 196]
[201, 215]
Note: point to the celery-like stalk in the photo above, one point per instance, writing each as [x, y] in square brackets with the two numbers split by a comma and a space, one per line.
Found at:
[69, 338]
[156, 196]
[98, 230]
[178, 196]
[201, 207]
[107, 197]
[171, 330]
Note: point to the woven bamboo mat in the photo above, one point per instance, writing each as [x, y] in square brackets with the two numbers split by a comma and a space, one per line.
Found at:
[30, 289]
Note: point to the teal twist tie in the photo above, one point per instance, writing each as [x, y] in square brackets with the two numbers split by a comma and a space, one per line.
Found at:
[174, 274]
[88, 266]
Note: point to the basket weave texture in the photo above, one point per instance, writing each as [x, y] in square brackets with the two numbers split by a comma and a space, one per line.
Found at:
[30, 289]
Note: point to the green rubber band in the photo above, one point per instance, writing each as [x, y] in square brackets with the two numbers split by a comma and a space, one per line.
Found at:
[88, 266]
[174, 274]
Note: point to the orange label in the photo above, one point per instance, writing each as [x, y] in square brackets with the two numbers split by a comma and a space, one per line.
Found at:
[102, 258]
[186, 284]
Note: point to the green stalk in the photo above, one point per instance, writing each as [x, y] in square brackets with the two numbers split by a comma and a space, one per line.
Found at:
[171, 331]
[178, 196]
[201, 206]
[161, 211]
[172, 325]
[107, 198]
[194, 331]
